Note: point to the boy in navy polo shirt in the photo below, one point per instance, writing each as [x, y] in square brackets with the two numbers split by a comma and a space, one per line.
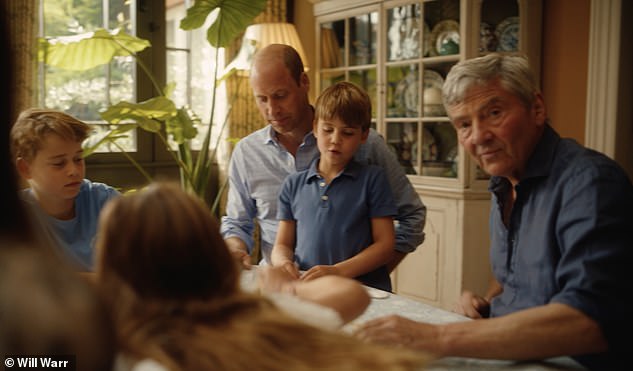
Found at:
[336, 217]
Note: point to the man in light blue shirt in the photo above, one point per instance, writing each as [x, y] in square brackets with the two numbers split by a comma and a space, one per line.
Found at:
[262, 160]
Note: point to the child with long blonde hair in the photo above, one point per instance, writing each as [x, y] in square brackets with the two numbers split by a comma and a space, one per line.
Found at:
[173, 289]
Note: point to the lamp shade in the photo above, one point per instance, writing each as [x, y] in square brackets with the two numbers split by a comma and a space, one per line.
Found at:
[260, 35]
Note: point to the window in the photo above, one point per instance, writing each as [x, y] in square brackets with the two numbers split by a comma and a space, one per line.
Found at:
[84, 94]
[182, 58]
[190, 60]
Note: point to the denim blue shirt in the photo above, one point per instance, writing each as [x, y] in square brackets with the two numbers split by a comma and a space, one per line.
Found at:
[259, 165]
[333, 221]
[568, 239]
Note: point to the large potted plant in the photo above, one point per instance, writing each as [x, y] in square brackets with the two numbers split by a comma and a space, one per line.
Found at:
[158, 115]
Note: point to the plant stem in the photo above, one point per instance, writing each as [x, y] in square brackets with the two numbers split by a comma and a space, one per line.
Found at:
[216, 202]
[143, 67]
[179, 162]
[134, 162]
[203, 161]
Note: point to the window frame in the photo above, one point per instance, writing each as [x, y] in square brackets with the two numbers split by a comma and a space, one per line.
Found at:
[115, 168]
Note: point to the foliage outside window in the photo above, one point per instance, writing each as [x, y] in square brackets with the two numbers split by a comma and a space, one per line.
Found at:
[159, 115]
[84, 94]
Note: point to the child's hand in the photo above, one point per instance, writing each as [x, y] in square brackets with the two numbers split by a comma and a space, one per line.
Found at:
[291, 268]
[319, 271]
[275, 279]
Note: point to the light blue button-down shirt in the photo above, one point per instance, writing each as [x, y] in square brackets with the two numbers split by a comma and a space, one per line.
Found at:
[259, 165]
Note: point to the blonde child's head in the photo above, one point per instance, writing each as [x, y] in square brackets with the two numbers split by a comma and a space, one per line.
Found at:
[347, 102]
[34, 125]
[173, 289]
[165, 244]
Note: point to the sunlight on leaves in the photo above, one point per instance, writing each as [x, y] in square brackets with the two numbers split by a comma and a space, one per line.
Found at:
[88, 50]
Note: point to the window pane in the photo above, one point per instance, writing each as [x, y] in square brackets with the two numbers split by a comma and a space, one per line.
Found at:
[85, 94]
[191, 66]
[363, 39]
[332, 44]
[178, 74]
[403, 24]
[367, 80]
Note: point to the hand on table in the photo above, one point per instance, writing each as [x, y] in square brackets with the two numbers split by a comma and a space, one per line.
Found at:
[472, 306]
[395, 330]
[291, 269]
[242, 258]
[238, 250]
[275, 279]
[320, 271]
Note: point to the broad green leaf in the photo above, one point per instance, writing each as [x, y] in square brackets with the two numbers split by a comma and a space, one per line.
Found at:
[91, 144]
[86, 51]
[233, 16]
[182, 126]
[198, 13]
[148, 114]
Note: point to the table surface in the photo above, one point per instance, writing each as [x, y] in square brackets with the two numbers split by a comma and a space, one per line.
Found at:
[384, 303]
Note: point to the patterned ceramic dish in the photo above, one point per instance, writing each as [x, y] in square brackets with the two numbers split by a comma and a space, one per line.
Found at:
[443, 31]
[508, 34]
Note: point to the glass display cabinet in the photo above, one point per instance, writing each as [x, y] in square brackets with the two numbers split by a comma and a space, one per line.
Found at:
[400, 51]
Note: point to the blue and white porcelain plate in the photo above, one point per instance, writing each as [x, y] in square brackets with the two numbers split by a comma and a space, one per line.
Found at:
[508, 34]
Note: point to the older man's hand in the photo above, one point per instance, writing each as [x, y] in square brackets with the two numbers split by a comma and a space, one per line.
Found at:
[398, 331]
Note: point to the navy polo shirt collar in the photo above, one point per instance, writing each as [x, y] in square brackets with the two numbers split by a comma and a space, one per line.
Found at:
[539, 164]
[351, 170]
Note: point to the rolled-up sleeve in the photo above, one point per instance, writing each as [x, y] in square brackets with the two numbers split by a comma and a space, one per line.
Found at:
[595, 235]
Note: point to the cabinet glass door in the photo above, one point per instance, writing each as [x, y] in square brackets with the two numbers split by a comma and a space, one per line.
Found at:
[362, 32]
[348, 52]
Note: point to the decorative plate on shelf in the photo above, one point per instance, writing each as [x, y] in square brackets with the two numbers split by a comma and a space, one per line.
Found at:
[406, 94]
[446, 31]
[433, 79]
[432, 85]
[508, 34]
[487, 38]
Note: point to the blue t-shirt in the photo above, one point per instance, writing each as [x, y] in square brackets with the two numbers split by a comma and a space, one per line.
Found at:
[568, 240]
[333, 221]
[76, 236]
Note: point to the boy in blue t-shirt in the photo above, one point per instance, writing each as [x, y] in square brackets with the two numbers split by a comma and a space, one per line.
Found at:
[46, 145]
[336, 217]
